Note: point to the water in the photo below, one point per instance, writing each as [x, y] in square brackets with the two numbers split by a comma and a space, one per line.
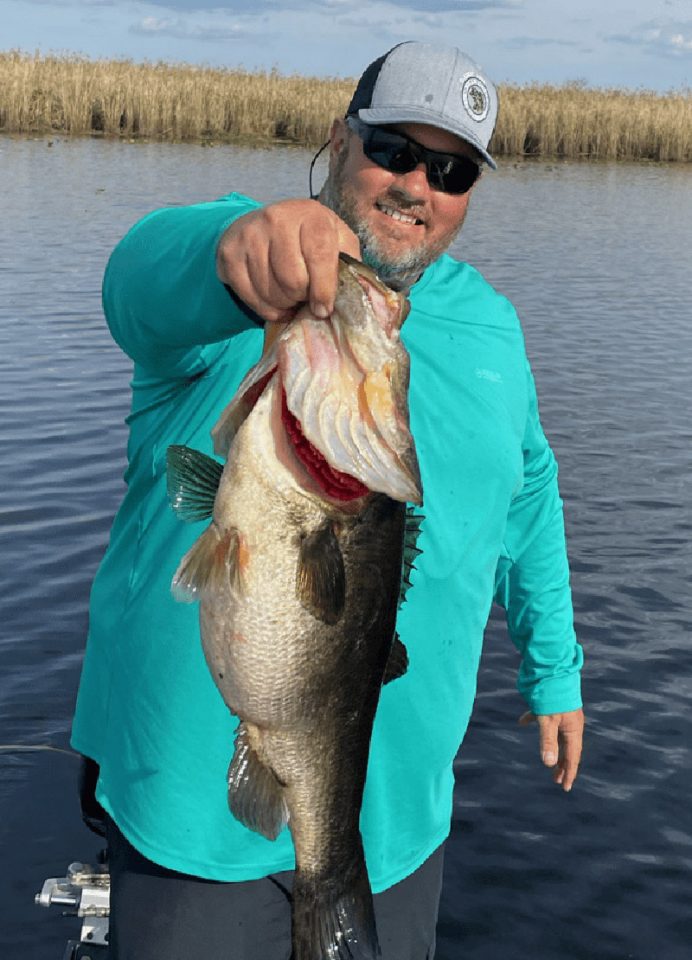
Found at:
[596, 258]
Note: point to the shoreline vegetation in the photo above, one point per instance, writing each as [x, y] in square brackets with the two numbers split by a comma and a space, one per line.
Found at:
[74, 95]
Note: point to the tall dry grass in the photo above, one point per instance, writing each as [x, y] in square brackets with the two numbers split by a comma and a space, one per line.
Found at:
[71, 94]
[578, 121]
[160, 100]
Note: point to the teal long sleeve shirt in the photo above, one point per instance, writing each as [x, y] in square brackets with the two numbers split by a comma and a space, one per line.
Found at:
[148, 711]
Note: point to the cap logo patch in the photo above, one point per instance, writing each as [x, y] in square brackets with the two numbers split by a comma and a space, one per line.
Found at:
[475, 97]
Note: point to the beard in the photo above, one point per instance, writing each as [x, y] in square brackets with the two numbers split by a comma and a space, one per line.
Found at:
[398, 271]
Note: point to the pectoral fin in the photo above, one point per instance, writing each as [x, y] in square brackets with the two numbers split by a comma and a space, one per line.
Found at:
[255, 795]
[192, 480]
[215, 563]
[321, 578]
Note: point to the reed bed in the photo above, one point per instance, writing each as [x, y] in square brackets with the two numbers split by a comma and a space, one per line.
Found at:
[75, 95]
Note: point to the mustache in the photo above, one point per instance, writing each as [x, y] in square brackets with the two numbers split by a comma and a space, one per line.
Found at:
[402, 199]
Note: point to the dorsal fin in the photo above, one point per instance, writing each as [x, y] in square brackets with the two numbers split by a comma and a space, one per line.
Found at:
[411, 550]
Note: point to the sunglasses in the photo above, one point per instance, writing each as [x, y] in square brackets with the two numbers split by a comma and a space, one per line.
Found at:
[447, 172]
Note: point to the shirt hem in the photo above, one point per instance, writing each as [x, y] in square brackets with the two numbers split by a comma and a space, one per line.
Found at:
[206, 870]
[379, 885]
[222, 873]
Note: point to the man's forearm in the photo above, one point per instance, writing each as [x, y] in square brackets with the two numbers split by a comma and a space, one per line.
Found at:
[533, 580]
[161, 294]
[536, 595]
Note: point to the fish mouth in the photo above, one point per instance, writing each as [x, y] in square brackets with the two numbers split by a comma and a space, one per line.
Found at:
[306, 464]
[334, 484]
[345, 383]
[339, 412]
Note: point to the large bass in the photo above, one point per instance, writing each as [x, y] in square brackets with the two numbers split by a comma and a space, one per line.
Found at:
[298, 577]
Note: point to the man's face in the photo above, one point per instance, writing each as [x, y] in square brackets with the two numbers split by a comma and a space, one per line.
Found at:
[401, 222]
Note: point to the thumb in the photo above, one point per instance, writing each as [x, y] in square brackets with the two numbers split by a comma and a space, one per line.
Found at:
[548, 740]
[348, 241]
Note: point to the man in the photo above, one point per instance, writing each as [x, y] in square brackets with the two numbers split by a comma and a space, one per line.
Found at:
[402, 168]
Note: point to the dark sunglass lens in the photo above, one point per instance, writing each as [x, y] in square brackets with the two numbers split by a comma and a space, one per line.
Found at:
[401, 159]
[455, 175]
[391, 151]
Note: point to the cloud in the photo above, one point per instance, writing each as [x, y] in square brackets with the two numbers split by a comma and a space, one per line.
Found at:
[182, 29]
[523, 43]
[679, 42]
[72, 3]
[222, 6]
[256, 6]
[667, 38]
[458, 6]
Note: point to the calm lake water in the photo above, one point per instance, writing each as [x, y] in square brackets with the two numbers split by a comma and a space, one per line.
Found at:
[597, 260]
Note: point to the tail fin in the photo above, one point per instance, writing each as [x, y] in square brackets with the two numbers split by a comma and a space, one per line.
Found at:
[333, 917]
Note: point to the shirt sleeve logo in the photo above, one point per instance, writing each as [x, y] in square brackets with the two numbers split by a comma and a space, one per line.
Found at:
[475, 97]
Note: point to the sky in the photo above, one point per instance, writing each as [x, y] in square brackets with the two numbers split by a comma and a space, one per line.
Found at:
[606, 43]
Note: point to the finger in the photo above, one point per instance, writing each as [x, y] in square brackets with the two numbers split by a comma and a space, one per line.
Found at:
[242, 268]
[259, 258]
[526, 718]
[233, 249]
[262, 292]
[265, 310]
[287, 273]
[319, 240]
[283, 292]
[348, 241]
[565, 774]
[571, 749]
[570, 775]
[548, 740]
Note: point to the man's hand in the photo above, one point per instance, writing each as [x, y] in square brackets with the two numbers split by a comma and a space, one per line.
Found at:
[284, 254]
[561, 737]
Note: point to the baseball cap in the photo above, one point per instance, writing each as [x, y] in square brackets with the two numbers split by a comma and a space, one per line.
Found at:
[427, 83]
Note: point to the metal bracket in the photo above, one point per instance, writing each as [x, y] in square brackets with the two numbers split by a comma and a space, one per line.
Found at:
[85, 891]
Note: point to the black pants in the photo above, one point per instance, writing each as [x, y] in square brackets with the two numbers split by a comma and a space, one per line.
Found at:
[158, 914]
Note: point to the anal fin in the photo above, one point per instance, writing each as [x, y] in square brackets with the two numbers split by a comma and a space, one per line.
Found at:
[397, 664]
[255, 794]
